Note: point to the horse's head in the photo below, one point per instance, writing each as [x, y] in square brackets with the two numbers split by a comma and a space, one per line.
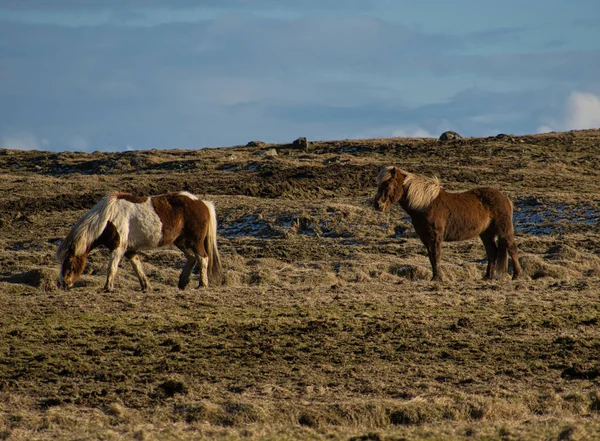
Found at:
[389, 188]
[71, 268]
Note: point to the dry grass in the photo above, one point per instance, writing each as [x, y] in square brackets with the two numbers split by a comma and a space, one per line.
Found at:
[326, 325]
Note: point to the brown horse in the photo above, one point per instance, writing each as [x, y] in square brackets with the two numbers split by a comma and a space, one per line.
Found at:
[125, 224]
[438, 215]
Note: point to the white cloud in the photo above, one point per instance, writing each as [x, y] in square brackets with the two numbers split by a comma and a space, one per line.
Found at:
[544, 129]
[418, 132]
[583, 111]
[22, 141]
[79, 144]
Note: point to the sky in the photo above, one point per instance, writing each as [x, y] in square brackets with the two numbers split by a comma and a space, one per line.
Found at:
[87, 75]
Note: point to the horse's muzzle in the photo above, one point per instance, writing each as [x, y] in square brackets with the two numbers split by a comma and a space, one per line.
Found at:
[379, 206]
[64, 285]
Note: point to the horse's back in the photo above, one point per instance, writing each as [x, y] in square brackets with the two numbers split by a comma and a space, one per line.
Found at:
[500, 208]
[468, 214]
[493, 199]
[144, 228]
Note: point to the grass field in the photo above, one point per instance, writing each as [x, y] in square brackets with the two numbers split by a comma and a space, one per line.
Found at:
[326, 326]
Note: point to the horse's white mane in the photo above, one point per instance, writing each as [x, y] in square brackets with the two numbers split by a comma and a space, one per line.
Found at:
[420, 190]
[88, 228]
[189, 195]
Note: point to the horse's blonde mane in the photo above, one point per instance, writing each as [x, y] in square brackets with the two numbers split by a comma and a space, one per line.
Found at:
[88, 228]
[420, 190]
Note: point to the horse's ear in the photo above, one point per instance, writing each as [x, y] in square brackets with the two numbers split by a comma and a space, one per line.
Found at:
[393, 172]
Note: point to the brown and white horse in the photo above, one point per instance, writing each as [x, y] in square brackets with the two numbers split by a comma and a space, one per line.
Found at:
[438, 215]
[126, 224]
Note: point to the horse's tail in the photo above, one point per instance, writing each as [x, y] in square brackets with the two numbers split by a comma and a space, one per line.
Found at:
[503, 242]
[87, 229]
[210, 243]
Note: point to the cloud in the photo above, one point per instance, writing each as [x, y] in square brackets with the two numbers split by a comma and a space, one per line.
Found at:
[548, 65]
[213, 83]
[589, 22]
[239, 76]
[544, 129]
[417, 132]
[583, 111]
[23, 141]
[79, 144]
[78, 5]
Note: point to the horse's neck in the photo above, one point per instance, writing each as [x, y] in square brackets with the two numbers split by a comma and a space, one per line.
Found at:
[412, 212]
[404, 204]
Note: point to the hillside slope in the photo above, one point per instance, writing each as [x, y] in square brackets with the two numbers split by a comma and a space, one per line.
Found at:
[326, 325]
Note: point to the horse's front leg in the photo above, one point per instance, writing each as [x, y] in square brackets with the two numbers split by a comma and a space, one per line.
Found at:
[113, 265]
[136, 264]
[434, 250]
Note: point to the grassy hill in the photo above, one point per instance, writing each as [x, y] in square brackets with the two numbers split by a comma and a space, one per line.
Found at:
[326, 325]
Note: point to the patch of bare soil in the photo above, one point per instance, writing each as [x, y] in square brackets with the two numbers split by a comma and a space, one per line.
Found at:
[327, 325]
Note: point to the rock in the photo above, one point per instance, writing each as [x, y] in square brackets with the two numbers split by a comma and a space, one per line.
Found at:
[267, 153]
[531, 201]
[504, 137]
[300, 143]
[256, 144]
[450, 136]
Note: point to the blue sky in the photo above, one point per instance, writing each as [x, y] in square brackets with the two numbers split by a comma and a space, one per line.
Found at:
[143, 74]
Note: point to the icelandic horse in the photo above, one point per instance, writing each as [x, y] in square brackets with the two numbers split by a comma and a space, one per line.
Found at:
[438, 215]
[125, 224]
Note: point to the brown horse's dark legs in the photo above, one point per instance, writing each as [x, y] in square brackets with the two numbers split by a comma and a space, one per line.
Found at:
[491, 251]
[184, 278]
[434, 249]
[514, 255]
[191, 262]
[506, 247]
[136, 264]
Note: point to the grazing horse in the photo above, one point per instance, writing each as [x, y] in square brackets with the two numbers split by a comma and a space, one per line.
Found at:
[125, 224]
[438, 215]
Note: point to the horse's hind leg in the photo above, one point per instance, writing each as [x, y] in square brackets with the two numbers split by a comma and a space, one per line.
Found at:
[514, 255]
[113, 265]
[491, 250]
[184, 278]
[203, 271]
[202, 259]
[136, 264]
[507, 246]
